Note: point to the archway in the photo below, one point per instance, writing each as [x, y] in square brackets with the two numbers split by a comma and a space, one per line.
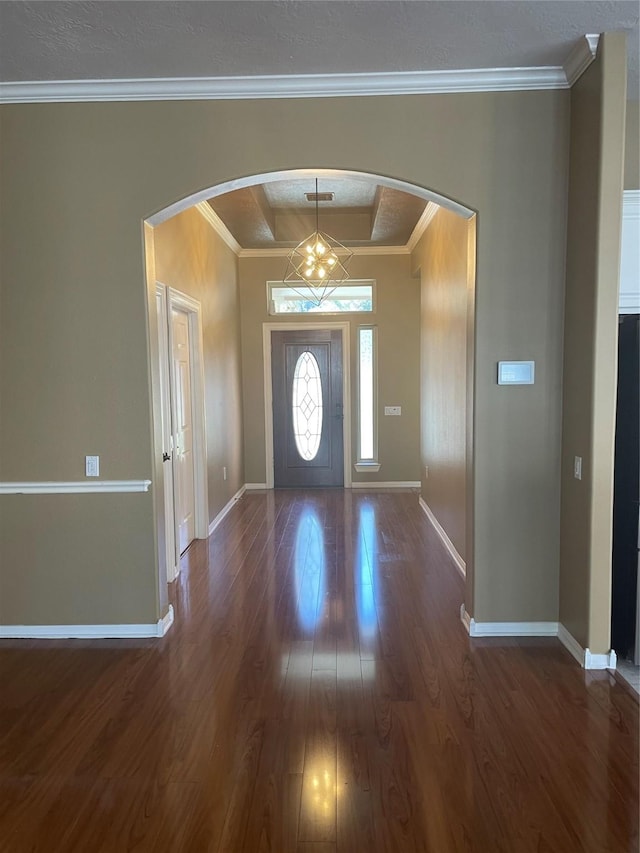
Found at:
[437, 201]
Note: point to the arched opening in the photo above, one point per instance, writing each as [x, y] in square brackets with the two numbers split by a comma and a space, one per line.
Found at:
[443, 293]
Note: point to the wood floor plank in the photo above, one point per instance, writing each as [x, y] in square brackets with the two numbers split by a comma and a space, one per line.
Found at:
[317, 693]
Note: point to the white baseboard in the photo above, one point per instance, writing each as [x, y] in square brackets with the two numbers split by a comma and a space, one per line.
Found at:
[507, 629]
[585, 657]
[87, 632]
[465, 619]
[389, 484]
[571, 644]
[226, 509]
[255, 487]
[442, 533]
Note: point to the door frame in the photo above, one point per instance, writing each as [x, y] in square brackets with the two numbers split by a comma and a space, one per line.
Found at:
[345, 329]
[192, 308]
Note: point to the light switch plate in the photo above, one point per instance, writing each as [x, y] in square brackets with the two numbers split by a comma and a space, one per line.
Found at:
[92, 466]
[393, 410]
[577, 467]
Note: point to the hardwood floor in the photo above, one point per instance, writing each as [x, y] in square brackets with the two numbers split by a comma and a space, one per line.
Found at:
[316, 694]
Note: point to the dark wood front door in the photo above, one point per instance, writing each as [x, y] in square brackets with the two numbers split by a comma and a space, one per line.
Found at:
[306, 370]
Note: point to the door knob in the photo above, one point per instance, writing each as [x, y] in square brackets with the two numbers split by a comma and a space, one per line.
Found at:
[166, 457]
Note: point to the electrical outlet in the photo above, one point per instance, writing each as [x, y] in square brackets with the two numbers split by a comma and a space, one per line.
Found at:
[426, 472]
[577, 467]
[224, 472]
[92, 466]
[393, 410]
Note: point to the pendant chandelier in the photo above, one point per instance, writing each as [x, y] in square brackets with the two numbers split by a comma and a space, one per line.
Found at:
[317, 265]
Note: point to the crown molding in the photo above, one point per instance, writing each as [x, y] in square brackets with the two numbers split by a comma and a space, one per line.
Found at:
[208, 213]
[283, 252]
[287, 85]
[422, 224]
[581, 57]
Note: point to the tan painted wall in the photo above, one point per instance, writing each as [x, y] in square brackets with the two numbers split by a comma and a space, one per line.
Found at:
[442, 258]
[192, 258]
[632, 147]
[591, 322]
[78, 179]
[397, 318]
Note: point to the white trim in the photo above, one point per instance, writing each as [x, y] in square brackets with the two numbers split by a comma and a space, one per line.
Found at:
[208, 213]
[166, 622]
[422, 224]
[87, 632]
[255, 487]
[183, 302]
[289, 174]
[388, 484]
[442, 533]
[581, 57]
[284, 252]
[465, 618]
[290, 85]
[508, 629]
[367, 467]
[297, 326]
[171, 555]
[75, 487]
[585, 657]
[226, 509]
[571, 644]
[601, 661]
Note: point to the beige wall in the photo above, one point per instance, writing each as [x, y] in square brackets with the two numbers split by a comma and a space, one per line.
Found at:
[192, 258]
[397, 318]
[632, 147]
[591, 318]
[442, 257]
[76, 183]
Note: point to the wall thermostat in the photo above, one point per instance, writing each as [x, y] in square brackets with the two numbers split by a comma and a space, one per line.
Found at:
[516, 372]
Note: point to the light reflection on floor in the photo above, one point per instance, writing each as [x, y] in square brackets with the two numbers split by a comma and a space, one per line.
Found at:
[310, 572]
[366, 572]
[310, 569]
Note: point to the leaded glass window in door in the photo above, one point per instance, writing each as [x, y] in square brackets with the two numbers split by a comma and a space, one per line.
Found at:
[307, 409]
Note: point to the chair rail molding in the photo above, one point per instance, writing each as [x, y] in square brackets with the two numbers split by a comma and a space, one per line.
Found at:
[74, 487]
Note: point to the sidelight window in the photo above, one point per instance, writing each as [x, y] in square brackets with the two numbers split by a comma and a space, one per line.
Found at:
[367, 394]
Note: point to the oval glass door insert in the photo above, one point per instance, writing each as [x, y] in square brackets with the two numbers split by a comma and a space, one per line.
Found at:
[307, 406]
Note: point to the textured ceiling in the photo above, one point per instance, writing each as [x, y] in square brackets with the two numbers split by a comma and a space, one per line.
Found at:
[52, 40]
[277, 214]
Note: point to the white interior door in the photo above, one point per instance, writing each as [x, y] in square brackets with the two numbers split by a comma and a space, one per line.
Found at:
[170, 549]
[183, 461]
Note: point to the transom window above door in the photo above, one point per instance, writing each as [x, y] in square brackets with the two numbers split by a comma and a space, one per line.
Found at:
[352, 297]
